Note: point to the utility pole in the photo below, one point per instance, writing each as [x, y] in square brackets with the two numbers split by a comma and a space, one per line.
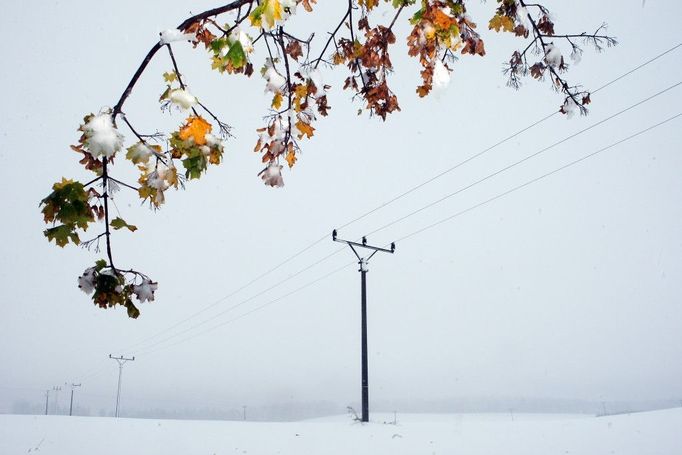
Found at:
[56, 389]
[363, 261]
[121, 361]
[244, 415]
[73, 386]
[47, 399]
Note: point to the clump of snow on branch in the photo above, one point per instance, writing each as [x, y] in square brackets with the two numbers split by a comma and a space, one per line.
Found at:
[86, 282]
[553, 56]
[160, 176]
[139, 153]
[182, 98]
[145, 291]
[213, 141]
[576, 55]
[441, 76]
[101, 136]
[245, 40]
[173, 34]
[275, 81]
[569, 107]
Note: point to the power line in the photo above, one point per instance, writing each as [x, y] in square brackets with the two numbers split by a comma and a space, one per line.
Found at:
[258, 308]
[227, 310]
[231, 294]
[530, 182]
[637, 68]
[523, 160]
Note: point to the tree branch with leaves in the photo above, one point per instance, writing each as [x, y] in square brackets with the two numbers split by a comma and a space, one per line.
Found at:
[230, 34]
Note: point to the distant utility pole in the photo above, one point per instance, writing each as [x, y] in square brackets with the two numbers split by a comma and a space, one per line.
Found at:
[56, 389]
[121, 361]
[244, 408]
[363, 261]
[73, 386]
[47, 400]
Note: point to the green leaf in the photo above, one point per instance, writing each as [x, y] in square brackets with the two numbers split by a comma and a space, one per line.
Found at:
[69, 204]
[133, 312]
[218, 44]
[236, 55]
[417, 17]
[195, 165]
[119, 223]
[62, 234]
[166, 94]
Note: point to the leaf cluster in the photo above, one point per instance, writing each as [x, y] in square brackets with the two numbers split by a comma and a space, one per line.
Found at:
[69, 205]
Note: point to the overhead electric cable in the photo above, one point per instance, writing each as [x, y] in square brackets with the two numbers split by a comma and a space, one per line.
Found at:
[523, 160]
[258, 308]
[543, 176]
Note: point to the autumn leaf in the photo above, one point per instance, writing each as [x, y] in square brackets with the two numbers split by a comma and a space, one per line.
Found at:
[277, 101]
[537, 70]
[368, 4]
[170, 76]
[307, 5]
[499, 22]
[305, 129]
[294, 49]
[195, 128]
[291, 158]
[270, 10]
[119, 223]
[442, 20]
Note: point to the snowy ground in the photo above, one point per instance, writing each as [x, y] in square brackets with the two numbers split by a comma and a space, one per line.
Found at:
[650, 433]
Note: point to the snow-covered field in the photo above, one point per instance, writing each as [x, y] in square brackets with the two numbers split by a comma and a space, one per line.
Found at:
[650, 433]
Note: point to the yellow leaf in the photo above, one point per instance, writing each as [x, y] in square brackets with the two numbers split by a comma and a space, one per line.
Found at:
[170, 76]
[270, 10]
[499, 22]
[196, 128]
[277, 101]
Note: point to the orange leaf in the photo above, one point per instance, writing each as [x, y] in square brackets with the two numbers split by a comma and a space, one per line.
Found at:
[291, 158]
[305, 129]
[442, 20]
[196, 128]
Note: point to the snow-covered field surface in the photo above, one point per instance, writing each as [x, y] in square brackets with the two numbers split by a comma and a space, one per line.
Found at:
[650, 433]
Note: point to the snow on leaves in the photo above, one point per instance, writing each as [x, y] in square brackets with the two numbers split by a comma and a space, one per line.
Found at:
[110, 287]
[440, 29]
[534, 22]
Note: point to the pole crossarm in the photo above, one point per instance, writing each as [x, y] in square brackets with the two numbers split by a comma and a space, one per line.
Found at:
[364, 244]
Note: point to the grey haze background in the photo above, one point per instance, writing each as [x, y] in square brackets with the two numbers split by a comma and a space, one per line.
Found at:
[566, 293]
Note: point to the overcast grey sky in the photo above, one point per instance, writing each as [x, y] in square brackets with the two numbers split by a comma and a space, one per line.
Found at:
[569, 288]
